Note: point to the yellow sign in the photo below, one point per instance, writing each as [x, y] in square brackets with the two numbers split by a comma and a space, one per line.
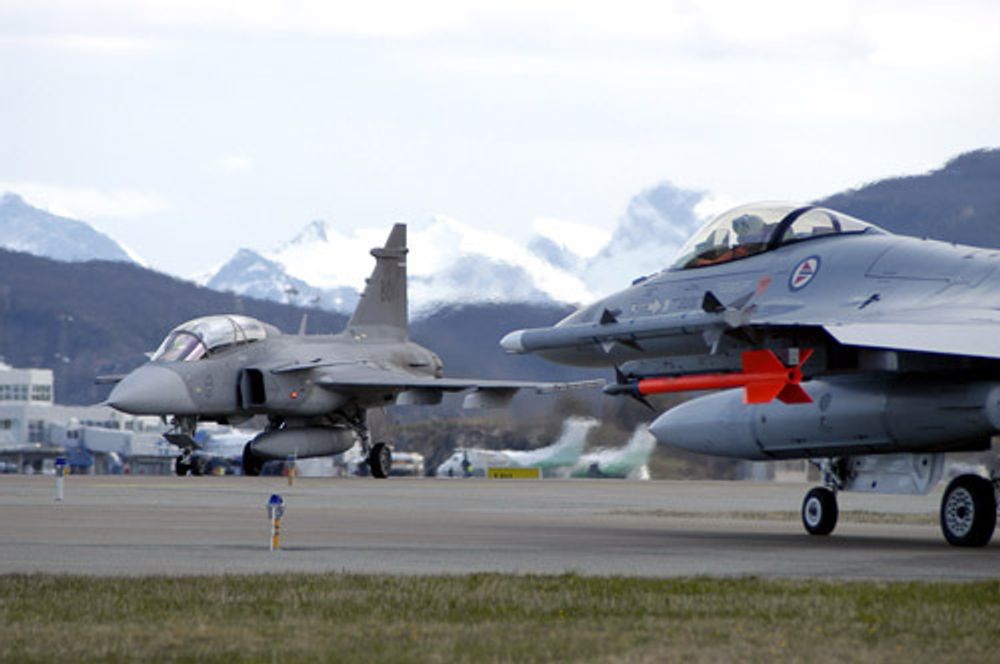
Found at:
[514, 473]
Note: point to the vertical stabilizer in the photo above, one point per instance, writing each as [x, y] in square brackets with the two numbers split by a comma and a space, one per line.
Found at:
[382, 310]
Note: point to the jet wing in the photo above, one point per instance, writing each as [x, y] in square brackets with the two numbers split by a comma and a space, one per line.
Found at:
[486, 393]
[951, 331]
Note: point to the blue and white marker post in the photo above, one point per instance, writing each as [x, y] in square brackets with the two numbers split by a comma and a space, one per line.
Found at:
[275, 510]
[60, 475]
[290, 468]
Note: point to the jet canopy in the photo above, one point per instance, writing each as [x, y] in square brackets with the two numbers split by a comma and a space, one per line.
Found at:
[197, 338]
[756, 228]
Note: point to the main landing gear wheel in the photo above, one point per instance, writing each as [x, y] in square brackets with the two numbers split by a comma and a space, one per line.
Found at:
[182, 466]
[819, 511]
[380, 460]
[252, 464]
[969, 511]
[198, 466]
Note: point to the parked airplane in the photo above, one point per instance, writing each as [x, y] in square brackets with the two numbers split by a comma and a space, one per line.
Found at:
[564, 453]
[314, 389]
[628, 462]
[870, 353]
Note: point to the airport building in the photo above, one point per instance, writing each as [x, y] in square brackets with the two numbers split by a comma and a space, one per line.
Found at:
[34, 430]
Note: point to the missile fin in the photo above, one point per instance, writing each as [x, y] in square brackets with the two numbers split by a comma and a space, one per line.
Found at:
[761, 362]
[763, 391]
[793, 394]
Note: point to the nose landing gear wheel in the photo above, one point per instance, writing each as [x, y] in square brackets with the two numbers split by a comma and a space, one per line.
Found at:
[819, 511]
[969, 511]
[182, 466]
[380, 460]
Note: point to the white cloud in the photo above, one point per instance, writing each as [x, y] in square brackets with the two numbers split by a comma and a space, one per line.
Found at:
[371, 18]
[80, 43]
[583, 240]
[235, 164]
[87, 203]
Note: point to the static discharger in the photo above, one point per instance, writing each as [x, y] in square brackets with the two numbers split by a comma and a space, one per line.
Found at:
[764, 378]
[275, 510]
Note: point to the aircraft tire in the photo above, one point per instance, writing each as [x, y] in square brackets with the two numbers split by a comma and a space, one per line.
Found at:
[819, 511]
[252, 464]
[182, 467]
[380, 461]
[198, 466]
[969, 511]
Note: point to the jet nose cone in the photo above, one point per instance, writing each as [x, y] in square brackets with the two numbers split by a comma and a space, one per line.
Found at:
[152, 390]
[512, 343]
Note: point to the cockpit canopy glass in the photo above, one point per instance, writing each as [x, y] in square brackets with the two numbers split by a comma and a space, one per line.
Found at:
[197, 338]
[753, 229]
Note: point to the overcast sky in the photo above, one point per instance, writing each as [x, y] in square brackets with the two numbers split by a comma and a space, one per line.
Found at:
[189, 128]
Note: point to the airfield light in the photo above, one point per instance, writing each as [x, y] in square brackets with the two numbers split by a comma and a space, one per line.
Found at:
[291, 469]
[60, 475]
[275, 510]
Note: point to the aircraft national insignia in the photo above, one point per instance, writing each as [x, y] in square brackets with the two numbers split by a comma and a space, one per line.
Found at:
[803, 273]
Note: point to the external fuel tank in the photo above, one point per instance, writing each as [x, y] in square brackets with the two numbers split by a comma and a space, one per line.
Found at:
[849, 415]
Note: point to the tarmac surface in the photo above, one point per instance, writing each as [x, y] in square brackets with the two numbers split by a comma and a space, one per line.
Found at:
[120, 525]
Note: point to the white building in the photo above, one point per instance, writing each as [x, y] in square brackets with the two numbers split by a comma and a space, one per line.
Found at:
[34, 429]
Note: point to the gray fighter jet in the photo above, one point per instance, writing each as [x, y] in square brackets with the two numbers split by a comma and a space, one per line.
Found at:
[869, 353]
[314, 389]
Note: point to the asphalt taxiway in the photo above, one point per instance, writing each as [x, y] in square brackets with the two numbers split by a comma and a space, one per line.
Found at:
[205, 525]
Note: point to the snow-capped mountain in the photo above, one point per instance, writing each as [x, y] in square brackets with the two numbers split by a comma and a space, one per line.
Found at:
[248, 273]
[452, 262]
[34, 231]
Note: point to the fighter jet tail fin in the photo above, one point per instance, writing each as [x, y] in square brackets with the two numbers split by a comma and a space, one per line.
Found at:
[382, 310]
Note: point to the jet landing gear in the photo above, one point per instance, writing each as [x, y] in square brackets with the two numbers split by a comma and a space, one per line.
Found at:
[380, 460]
[969, 511]
[252, 464]
[819, 511]
[378, 457]
[819, 508]
[968, 506]
[189, 463]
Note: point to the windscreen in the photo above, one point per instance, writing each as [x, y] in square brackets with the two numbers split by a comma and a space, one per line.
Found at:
[200, 337]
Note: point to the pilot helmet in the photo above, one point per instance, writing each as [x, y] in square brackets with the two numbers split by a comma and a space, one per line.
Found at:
[748, 225]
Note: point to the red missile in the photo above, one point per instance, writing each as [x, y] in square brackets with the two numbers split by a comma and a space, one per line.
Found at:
[763, 379]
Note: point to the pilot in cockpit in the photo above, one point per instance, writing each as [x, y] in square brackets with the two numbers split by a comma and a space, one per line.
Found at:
[750, 229]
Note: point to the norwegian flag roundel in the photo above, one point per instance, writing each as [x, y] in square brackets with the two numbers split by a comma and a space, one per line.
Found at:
[803, 273]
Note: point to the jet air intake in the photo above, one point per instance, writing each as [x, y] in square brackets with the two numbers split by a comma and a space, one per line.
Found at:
[865, 414]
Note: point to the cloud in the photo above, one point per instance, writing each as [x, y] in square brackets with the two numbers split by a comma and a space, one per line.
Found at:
[235, 164]
[87, 203]
[80, 43]
[891, 31]
[583, 240]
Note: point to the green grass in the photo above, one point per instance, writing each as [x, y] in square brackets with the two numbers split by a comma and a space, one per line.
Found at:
[490, 617]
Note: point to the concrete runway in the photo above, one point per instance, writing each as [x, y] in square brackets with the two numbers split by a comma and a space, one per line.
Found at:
[183, 526]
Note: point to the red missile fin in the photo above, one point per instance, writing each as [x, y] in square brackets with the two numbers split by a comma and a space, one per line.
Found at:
[763, 391]
[793, 394]
[762, 362]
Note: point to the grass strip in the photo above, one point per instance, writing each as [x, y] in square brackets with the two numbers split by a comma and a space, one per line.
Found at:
[492, 617]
